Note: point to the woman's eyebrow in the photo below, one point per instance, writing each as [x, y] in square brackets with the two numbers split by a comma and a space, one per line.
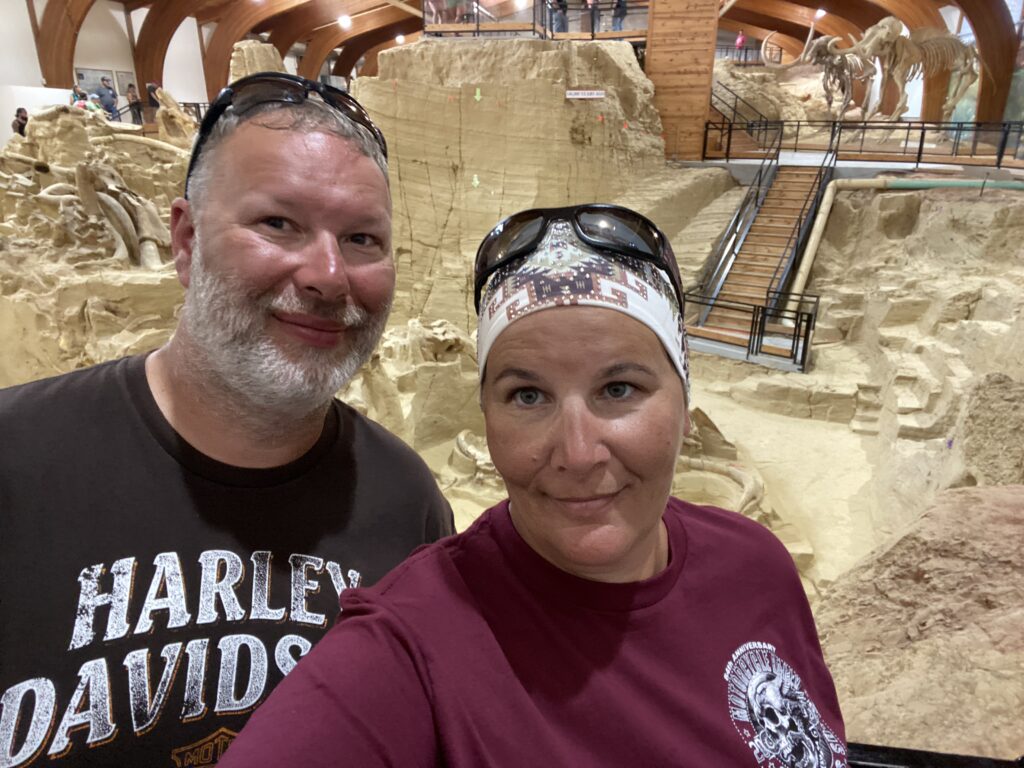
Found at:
[516, 373]
[620, 368]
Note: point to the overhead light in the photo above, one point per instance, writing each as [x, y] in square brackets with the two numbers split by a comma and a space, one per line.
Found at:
[522, 4]
[400, 39]
[345, 21]
[820, 14]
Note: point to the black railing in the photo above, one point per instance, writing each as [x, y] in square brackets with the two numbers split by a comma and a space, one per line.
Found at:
[914, 141]
[196, 108]
[545, 18]
[737, 109]
[794, 247]
[780, 332]
[873, 756]
[748, 56]
[729, 244]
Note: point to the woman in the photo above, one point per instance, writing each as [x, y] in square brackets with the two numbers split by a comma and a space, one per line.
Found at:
[591, 619]
[78, 95]
[134, 103]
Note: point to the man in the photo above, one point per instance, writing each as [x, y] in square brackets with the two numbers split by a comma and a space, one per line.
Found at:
[108, 98]
[177, 527]
[20, 121]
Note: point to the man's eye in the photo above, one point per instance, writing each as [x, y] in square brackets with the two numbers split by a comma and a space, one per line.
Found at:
[526, 396]
[618, 390]
[274, 222]
[363, 239]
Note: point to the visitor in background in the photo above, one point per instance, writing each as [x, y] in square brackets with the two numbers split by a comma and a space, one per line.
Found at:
[108, 98]
[618, 15]
[134, 103]
[152, 104]
[559, 15]
[591, 619]
[93, 104]
[594, 12]
[741, 42]
[77, 95]
[20, 121]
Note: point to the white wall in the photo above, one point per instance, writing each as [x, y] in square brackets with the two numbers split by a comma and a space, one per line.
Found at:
[14, 96]
[19, 64]
[183, 67]
[103, 39]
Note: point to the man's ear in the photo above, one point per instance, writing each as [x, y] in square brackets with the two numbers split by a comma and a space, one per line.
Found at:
[183, 236]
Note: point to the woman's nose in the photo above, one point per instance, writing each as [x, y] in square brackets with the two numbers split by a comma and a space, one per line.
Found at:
[579, 439]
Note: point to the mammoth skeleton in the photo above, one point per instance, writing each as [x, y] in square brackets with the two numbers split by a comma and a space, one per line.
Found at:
[901, 58]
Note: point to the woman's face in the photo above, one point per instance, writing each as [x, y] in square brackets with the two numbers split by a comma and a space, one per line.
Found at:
[585, 416]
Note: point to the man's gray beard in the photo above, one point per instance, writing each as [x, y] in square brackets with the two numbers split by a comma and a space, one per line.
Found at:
[233, 355]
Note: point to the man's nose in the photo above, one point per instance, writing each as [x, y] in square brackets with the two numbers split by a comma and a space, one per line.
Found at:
[578, 438]
[323, 272]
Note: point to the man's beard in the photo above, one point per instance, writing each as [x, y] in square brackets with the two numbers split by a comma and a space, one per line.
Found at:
[227, 324]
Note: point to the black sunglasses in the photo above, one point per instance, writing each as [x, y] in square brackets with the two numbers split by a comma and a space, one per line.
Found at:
[606, 227]
[267, 87]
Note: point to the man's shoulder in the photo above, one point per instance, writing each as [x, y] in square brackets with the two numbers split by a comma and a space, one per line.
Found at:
[374, 440]
[66, 393]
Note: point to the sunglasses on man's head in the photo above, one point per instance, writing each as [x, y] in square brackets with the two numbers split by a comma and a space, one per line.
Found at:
[605, 227]
[283, 88]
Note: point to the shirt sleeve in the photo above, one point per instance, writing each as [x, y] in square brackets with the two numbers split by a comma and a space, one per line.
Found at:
[358, 698]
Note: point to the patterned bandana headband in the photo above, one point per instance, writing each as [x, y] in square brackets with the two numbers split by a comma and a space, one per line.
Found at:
[563, 271]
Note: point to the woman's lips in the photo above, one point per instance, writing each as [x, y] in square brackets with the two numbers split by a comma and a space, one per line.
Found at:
[313, 330]
[583, 505]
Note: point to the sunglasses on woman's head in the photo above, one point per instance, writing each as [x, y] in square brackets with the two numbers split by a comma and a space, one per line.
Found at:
[278, 87]
[605, 227]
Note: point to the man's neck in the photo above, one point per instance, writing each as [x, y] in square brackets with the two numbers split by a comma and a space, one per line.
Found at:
[215, 423]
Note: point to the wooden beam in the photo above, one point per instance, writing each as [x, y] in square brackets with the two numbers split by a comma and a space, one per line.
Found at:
[411, 10]
[287, 29]
[58, 34]
[131, 31]
[161, 23]
[326, 40]
[360, 44]
[34, 21]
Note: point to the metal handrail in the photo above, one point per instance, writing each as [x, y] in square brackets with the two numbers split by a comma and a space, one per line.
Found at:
[737, 100]
[798, 237]
[735, 233]
[797, 323]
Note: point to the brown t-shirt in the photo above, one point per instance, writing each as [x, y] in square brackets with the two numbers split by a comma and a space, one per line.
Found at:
[150, 596]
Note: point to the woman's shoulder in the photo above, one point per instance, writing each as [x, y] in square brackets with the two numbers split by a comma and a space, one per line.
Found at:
[709, 527]
[429, 580]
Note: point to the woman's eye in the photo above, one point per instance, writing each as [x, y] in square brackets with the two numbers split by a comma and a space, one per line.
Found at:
[619, 389]
[526, 396]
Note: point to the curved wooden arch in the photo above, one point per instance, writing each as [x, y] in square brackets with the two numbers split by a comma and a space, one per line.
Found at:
[159, 26]
[358, 46]
[326, 40]
[791, 46]
[231, 28]
[370, 67]
[58, 35]
[800, 15]
[299, 24]
[997, 45]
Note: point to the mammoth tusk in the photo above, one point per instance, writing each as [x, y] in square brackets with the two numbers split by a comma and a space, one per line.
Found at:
[764, 57]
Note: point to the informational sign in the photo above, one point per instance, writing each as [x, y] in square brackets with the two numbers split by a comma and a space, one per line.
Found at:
[594, 94]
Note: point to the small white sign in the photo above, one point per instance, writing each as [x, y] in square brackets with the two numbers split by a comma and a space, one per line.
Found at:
[597, 94]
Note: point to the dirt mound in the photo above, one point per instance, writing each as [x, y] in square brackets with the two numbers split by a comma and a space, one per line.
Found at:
[925, 639]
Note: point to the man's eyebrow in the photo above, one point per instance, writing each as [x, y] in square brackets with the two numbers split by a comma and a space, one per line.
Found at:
[620, 368]
[516, 373]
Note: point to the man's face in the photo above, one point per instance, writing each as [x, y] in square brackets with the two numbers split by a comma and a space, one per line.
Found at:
[288, 264]
[105, 81]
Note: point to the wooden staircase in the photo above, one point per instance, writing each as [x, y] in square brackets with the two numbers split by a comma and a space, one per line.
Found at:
[757, 267]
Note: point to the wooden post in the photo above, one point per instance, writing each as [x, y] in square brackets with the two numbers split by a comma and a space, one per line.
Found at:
[680, 62]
